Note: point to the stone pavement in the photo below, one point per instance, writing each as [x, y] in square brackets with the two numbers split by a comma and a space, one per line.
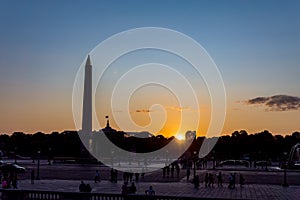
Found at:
[251, 191]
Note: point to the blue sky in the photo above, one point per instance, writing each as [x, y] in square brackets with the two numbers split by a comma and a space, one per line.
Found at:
[42, 43]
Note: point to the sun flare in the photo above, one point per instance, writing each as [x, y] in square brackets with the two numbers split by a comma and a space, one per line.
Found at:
[179, 136]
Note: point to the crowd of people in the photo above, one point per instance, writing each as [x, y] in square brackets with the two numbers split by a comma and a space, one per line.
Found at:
[209, 180]
[128, 189]
[84, 187]
[169, 170]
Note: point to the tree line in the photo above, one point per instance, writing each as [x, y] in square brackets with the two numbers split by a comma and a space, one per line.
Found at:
[238, 145]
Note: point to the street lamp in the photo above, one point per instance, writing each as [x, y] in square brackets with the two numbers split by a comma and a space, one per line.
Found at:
[49, 156]
[266, 167]
[285, 184]
[16, 148]
[195, 154]
[38, 165]
[112, 158]
[214, 164]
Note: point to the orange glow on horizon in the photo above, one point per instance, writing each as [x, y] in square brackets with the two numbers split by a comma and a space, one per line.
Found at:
[180, 136]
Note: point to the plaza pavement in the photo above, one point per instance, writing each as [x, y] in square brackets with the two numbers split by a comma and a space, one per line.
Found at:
[259, 184]
[182, 188]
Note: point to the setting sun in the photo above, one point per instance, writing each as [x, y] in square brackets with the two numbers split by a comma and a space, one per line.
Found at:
[179, 136]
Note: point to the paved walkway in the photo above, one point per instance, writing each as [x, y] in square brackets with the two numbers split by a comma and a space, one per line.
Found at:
[252, 191]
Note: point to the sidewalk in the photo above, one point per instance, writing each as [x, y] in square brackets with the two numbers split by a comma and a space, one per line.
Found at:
[253, 191]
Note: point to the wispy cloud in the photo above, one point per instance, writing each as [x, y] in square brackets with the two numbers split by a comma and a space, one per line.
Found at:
[177, 108]
[143, 111]
[277, 102]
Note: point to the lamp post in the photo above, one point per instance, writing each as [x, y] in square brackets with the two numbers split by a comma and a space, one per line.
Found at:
[195, 154]
[16, 148]
[119, 158]
[266, 160]
[214, 164]
[38, 165]
[112, 158]
[49, 156]
[167, 157]
[285, 184]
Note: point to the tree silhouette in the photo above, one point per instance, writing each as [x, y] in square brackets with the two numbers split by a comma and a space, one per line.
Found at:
[258, 146]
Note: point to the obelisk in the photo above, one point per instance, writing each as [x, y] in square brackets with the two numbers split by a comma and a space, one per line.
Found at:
[87, 98]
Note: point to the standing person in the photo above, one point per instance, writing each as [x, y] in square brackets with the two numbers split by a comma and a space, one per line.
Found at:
[116, 176]
[177, 170]
[230, 185]
[130, 176]
[82, 187]
[125, 176]
[132, 188]
[32, 176]
[196, 181]
[150, 191]
[206, 179]
[137, 177]
[220, 180]
[88, 188]
[10, 178]
[168, 171]
[4, 183]
[172, 170]
[112, 175]
[210, 180]
[97, 177]
[15, 182]
[233, 180]
[242, 180]
[188, 173]
[164, 172]
[125, 188]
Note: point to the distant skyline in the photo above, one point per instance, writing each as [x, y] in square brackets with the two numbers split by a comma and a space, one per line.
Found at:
[255, 45]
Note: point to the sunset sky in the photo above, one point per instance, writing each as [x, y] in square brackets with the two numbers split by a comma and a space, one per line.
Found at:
[255, 44]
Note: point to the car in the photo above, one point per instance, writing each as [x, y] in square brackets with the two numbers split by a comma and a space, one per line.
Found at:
[11, 167]
[262, 163]
[234, 163]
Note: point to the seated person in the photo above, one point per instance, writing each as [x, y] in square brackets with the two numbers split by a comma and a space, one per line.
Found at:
[150, 191]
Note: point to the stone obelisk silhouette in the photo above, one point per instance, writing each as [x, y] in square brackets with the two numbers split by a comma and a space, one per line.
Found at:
[87, 98]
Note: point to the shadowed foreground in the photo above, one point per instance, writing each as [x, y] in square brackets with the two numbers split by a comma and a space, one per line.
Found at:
[176, 190]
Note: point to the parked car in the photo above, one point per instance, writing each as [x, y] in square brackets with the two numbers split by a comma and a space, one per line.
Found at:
[262, 163]
[9, 167]
[234, 163]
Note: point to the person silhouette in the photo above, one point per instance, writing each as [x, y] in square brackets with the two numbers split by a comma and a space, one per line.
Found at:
[88, 188]
[97, 177]
[233, 179]
[132, 188]
[188, 173]
[196, 181]
[210, 180]
[150, 191]
[220, 180]
[125, 188]
[82, 187]
[206, 179]
[242, 180]
[177, 170]
[32, 176]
